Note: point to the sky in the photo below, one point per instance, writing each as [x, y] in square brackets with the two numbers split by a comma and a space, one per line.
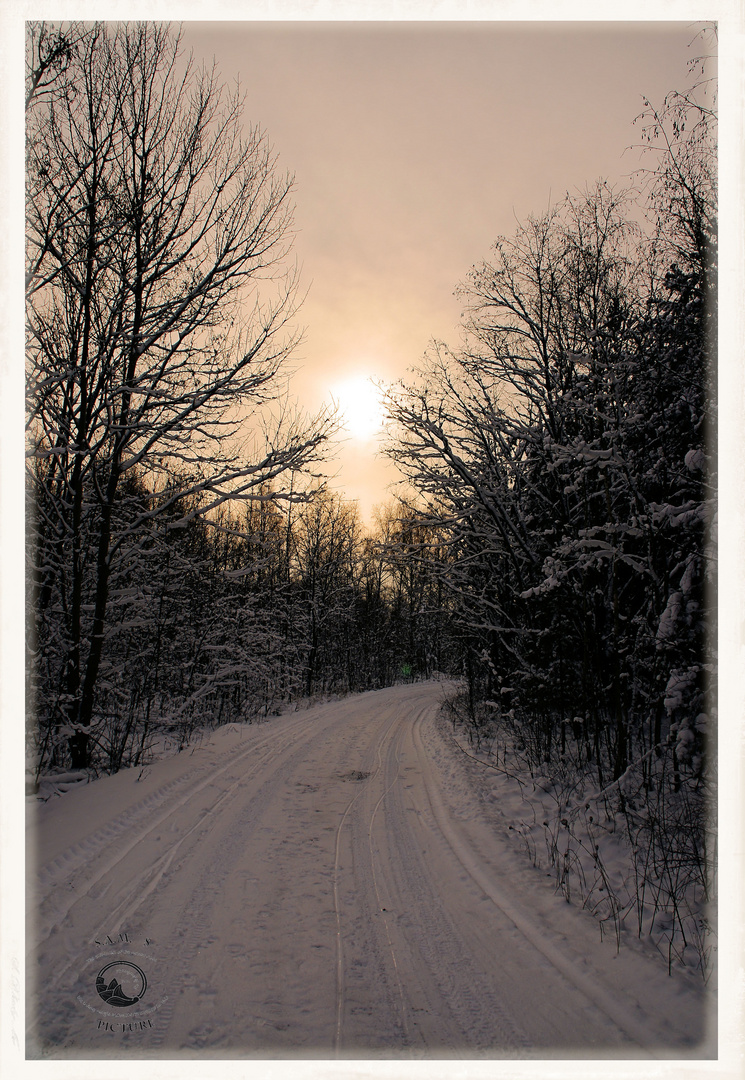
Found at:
[414, 146]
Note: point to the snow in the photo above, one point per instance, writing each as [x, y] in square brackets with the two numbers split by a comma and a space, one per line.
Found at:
[339, 882]
[695, 460]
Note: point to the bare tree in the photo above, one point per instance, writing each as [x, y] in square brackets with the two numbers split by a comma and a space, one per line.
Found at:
[48, 54]
[326, 539]
[561, 455]
[680, 137]
[154, 217]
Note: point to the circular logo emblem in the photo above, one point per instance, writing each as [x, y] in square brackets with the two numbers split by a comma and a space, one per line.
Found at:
[121, 983]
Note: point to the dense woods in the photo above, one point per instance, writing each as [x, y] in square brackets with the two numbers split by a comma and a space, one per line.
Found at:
[158, 304]
[565, 457]
[554, 544]
[234, 615]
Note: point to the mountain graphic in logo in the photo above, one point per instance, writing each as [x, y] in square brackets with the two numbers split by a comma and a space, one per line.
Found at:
[125, 986]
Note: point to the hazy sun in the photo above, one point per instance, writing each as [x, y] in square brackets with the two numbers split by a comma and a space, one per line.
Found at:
[361, 407]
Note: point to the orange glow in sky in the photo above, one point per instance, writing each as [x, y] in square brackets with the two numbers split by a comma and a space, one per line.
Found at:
[414, 146]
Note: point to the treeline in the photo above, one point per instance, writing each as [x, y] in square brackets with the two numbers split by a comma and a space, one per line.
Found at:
[231, 616]
[186, 563]
[565, 464]
[565, 457]
[159, 320]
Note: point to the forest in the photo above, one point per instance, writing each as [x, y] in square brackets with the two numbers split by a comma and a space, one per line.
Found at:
[552, 545]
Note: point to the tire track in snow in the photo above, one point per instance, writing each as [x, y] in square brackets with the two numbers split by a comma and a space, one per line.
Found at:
[373, 758]
[263, 756]
[404, 1006]
[339, 945]
[81, 856]
[408, 943]
[633, 1027]
[210, 885]
[56, 906]
[478, 1017]
[411, 973]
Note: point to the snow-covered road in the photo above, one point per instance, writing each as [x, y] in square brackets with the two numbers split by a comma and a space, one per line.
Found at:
[330, 883]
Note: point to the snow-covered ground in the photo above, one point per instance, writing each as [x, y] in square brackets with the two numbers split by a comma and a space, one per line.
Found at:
[337, 883]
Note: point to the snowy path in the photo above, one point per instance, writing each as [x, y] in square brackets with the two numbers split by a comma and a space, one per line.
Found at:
[327, 884]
